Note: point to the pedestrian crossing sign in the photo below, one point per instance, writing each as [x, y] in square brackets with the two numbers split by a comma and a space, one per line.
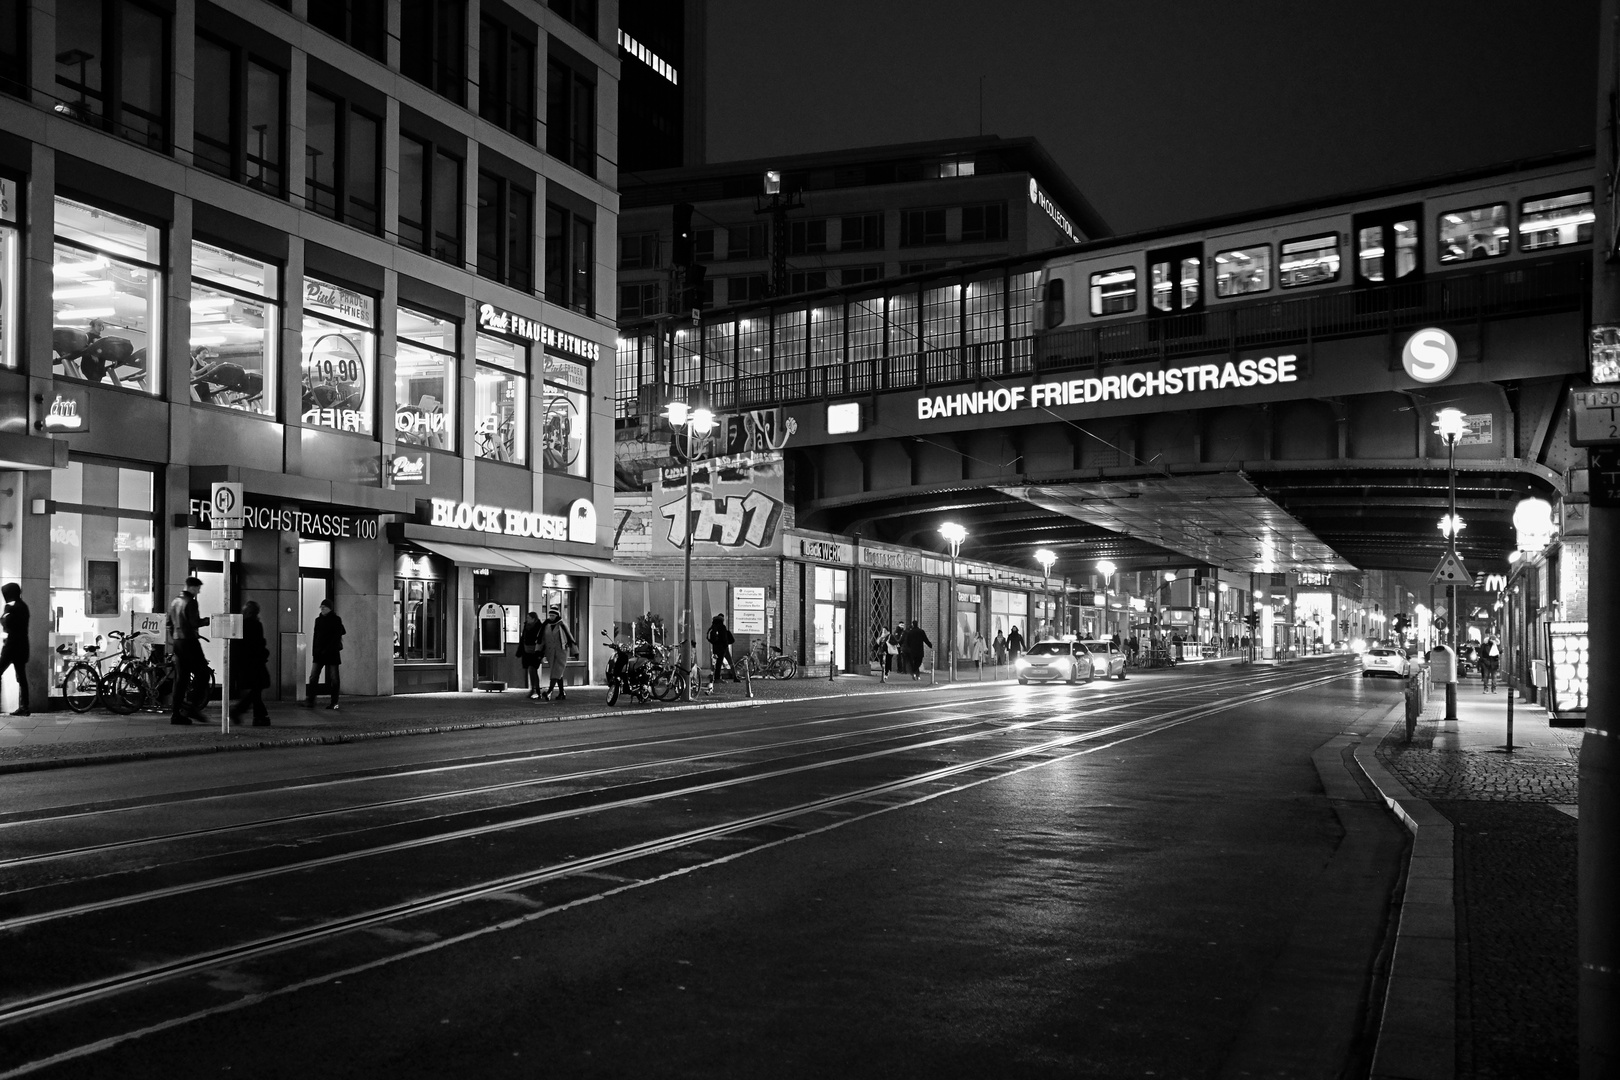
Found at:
[1450, 572]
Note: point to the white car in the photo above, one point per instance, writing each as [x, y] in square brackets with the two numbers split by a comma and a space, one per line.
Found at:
[1385, 660]
[1105, 656]
[1054, 661]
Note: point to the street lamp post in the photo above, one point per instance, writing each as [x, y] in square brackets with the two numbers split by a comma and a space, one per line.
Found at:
[1046, 558]
[954, 534]
[695, 423]
[1106, 569]
[1450, 424]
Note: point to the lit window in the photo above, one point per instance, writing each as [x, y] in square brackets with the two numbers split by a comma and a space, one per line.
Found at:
[1310, 261]
[1243, 270]
[1477, 233]
[339, 361]
[235, 324]
[1113, 292]
[106, 299]
[1175, 281]
[425, 381]
[1372, 245]
[1556, 220]
[501, 400]
[567, 414]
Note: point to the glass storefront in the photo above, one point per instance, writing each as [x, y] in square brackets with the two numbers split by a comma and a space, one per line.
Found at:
[235, 326]
[107, 298]
[501, 397]
[339, 361]
[567, 411]
[1007, 610]
[103, 537]
[831, 593]
[425, 381]
[421, 613]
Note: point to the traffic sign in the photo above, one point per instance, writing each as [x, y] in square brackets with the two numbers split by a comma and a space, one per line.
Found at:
[1450, 572]
[227, 516]
[1594, 416]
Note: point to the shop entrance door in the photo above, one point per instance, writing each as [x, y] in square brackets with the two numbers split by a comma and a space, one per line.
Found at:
[314, 585]
[882, 618]
[832, 599]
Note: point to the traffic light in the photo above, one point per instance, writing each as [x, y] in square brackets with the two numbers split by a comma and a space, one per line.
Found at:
[1400, 622]
[1252, 620]
[682, 251]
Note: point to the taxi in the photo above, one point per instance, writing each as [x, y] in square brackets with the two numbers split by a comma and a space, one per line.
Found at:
[1055, 661]
[1106, 658]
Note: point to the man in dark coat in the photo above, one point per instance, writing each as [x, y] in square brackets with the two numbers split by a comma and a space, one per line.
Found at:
[252, 658]
[915, 641]
[1015, 644]
[184, 631]
[720, 639]
[326, 653]
[14, 653]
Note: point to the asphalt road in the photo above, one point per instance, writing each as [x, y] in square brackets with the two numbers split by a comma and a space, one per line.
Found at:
[1172, 876]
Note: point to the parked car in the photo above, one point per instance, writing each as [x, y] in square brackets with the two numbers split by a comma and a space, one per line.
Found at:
[1055, 661]
[1385, 660]
[1106, 660]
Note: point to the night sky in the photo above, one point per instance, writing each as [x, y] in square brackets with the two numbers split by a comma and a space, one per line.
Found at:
[1166, 112]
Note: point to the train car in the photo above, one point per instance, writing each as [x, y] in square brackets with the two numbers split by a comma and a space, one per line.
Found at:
[1142, 293]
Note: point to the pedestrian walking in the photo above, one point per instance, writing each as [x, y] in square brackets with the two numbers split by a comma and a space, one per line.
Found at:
[1133, 645]
[897, 656]
[1000, 646]
[252, 656]
[880, 650]
[183, 631]
[1490, 659]
[14, 652]
[975, 650]
[913, 644]
[528, 654]
[720, 641]
[556, 646]
[1015, 644]
[326, 654]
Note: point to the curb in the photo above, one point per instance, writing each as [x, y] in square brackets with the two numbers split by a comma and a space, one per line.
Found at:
[1417, 1032]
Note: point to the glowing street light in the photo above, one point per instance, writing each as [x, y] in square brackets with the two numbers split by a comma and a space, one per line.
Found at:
[1450, 424]
[1046, 557]
[696, 424]
[1450, 524]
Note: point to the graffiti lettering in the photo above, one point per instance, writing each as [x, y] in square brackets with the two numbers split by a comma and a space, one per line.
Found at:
[730, 521]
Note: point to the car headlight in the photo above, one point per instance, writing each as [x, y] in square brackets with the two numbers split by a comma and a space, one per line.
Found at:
[1020, 663]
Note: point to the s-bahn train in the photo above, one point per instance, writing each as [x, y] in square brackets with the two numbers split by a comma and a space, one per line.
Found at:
[1369, 245]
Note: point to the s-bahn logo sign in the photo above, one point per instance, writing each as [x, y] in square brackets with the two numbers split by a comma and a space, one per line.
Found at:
[1194, 378]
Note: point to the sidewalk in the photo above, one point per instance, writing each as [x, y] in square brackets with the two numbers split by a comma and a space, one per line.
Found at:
[1483, 977]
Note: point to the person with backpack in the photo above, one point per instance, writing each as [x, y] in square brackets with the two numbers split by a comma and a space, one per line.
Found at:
[720, 641]
[1490, 659]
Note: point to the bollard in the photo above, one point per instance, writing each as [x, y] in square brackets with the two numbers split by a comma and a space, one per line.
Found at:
[748, 680]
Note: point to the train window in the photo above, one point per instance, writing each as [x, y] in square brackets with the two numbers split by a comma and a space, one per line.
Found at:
[1243, 270]
[1113, 292]
[1480, 232]
[1372, 249]
[1175, 284]
[1555, 220]
[1309, 261]
[1053, 300]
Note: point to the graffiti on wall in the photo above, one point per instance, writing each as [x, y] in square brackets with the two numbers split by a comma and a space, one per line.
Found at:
[730, 521]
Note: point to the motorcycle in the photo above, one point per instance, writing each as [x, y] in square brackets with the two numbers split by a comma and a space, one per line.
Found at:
[627, 673]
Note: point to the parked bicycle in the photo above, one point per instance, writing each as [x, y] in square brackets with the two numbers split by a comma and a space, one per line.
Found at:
[144, 682]
[89, 682]
[777, 665]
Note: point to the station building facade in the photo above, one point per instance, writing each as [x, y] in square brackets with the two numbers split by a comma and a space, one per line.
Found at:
[332, 253]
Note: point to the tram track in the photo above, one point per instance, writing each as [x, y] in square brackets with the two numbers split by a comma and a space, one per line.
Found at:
[1042, 752]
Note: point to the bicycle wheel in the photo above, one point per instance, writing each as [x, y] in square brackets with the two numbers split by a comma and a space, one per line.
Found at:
[126, 692]
[784, 667]
[81, 686]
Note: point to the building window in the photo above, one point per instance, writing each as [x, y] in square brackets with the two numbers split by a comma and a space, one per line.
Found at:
[571, 113]
[1480, 232]
[107, 298]
[863, 232]
[638, 251]
[638, 300]
[567, 416]
[13, 51]
[703, 245]
[1309, 261]
[807, 237]
[1243, 270]
[746, 241]
[425, 381]
[582, 13]
[860, 275]
[955, 167]
[360, 23]
[923, 267]
[807, 281]
[433, 45]
[506, 65]
[501, 400]
[1372, 245]
[235, 326]
[570, 275]
[113, 67]
[10, 272]
[744, 288]
[103, 536]
[1175, 284]
[918, 227]
[505, 231]
[1113, 292]
[239, 130]
[1555, 220]
[339, 361]
[419, 611]
[341, 162]
[429, 199]
[987, 222]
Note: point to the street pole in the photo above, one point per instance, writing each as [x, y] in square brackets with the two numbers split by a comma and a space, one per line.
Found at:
[1451, 589]
[687, 638]
[950, 645]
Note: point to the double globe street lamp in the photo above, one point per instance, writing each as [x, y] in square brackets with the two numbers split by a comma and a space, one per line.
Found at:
[1046, 558]
[954, 534]
[1449, 424]
[696, 424]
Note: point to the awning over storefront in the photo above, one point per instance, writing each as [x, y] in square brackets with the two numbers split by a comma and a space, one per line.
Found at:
[513, 559]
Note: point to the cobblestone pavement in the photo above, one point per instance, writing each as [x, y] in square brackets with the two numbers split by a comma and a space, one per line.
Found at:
[1515, 887]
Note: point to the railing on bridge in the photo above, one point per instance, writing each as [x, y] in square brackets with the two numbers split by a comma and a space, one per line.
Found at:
[978, 324]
